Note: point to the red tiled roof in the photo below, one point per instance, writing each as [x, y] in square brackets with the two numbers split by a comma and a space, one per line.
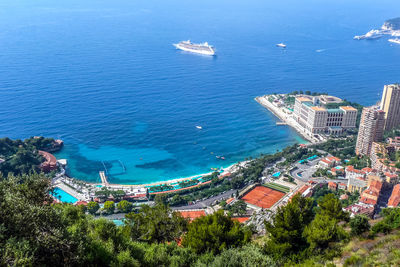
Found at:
[332, 184]
[241, 219]
[192, 214]
[50, 162]
[351, 169]
[390, 175]
[376, 185]
[334, 158]
[229, 200]
[394, 199]
[367, 169]
[369, 201]
[326, 161]
[302, 189]
[81, 203]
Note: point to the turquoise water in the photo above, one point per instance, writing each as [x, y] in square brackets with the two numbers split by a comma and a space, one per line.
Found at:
[63, 196]
[104, 76]
[277, 174]
[118, 222]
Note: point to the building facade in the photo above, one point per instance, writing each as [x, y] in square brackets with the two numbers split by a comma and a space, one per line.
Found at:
[317, 119]
[390, 103]
[371, 129]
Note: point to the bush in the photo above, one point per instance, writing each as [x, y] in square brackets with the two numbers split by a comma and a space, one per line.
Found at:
[381, 227]
[124, 206]
[214, 233]
[109, 207]
[93, 207]
[359, 224]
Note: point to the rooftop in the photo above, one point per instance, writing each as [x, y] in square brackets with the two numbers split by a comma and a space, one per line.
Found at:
[348, 108]
[303, 99]
[318, 108]
[192, 214]
[334, 110]
[394, 199]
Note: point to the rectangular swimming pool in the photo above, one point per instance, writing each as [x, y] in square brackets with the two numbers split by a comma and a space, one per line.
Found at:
[63, 196]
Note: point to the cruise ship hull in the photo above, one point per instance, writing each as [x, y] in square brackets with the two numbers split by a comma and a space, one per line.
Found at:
[202, 52]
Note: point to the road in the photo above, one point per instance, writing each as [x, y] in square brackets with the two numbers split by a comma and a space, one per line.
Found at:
[207, 202]
[305, 171]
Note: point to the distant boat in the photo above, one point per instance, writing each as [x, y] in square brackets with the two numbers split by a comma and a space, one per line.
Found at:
[281, 45]
[199, 127]
[395, 40]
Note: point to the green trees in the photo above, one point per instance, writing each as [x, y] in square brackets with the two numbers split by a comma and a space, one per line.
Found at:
[248, 255]
[237, 208]
[118, 194]
[31, 231]
[109, 207]
[332, 207]
[391, 220]
[93, 207]
[322, 232]
[359, 224]
[21, 157]
[155, 224]
[295, 232]
[124, 206]
[214, 233]
[286, 232]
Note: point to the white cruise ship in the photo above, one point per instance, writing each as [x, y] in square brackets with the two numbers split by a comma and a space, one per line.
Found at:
[204, 48]
[395, 40]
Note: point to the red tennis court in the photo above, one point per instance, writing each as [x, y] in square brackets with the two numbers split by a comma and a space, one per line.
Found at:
[262, 197]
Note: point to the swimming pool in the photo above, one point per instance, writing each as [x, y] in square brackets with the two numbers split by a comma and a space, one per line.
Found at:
[277, 174]
[118, 222]
[63, 196]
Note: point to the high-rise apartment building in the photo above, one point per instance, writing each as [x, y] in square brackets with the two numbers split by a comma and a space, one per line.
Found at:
[390, 103]
[371, 129]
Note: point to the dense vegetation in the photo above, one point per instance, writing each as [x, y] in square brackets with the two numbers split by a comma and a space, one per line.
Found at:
[36, 232]
[21, 156]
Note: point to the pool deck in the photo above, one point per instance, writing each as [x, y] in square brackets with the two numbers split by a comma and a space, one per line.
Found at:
[70, 191]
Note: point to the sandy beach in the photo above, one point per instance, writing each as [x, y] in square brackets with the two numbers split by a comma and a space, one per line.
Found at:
[228, 169]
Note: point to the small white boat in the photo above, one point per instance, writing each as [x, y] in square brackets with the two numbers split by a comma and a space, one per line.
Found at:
[199, 127]
[396, 40]
[281, 45]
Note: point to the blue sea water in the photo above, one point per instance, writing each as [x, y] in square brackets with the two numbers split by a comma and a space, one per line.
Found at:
[104, 76]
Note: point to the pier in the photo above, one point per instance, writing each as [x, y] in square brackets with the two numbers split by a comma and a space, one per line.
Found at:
[103, 178]
[281, 123]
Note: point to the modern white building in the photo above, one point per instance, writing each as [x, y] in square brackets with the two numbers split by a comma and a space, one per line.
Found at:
[318, 119]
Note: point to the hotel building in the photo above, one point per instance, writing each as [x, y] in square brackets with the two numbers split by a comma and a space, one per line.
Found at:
[390, 103]
[371, 129]
[317, 119]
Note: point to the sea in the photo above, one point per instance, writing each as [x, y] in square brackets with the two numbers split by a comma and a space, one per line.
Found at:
[104, 77]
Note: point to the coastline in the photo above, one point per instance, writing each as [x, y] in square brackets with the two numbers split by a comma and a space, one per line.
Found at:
[284, 117]
[229, 169]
